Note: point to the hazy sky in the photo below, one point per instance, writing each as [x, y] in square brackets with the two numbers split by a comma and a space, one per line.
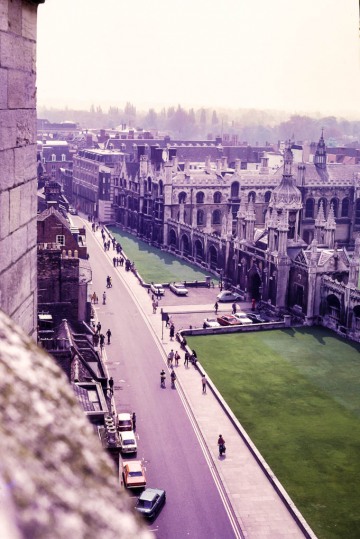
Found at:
[276, 54]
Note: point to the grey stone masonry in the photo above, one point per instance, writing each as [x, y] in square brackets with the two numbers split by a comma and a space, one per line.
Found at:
[18, 199]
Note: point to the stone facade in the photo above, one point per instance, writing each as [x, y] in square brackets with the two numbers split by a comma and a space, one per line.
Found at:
[18, 174]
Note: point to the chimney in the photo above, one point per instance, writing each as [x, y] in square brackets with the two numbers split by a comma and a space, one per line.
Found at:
[218, 167]
[224, 164]
[237, 166]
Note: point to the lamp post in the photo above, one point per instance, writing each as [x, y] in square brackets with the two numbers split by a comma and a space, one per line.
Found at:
[221, 280]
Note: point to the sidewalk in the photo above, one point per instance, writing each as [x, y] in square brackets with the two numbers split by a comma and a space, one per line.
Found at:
[255, 495]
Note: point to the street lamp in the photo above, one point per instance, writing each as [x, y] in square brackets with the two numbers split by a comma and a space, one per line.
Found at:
[221, 280]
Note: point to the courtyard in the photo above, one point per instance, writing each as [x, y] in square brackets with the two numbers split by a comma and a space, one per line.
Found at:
[296, 393]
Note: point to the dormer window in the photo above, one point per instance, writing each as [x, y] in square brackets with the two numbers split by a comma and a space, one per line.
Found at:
[53, 157]
[63, 157]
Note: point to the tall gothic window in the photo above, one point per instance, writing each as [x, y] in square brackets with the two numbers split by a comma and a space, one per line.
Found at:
[217, 197]
[335, 204]
[235, 190]
[200, 217]
[216, 217]
[252, 196]
[200, 197]
[309, 208]
[345, 208]
[357, 212]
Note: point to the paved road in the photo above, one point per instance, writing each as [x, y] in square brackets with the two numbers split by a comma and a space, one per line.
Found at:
[167, 441]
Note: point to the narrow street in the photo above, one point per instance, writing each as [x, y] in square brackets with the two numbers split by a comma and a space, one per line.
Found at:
[167, 441]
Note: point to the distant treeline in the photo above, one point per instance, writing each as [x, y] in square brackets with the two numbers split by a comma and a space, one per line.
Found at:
[249, 125]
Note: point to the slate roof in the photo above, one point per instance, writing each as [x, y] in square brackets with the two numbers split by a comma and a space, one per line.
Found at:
[52, 211]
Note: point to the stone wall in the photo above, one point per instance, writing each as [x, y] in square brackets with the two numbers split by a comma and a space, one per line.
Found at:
[18, 161]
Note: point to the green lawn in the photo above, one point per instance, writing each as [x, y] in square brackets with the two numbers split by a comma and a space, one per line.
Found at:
[296, 392]
[155, 265]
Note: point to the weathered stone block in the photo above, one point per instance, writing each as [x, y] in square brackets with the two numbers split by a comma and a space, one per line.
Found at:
[25, 163]
[21, 90]
[16, 284]
[25, 127]
[4, 16]
[32, 234]
[15, 17]
[5, 214]
[15, 198]
[3, 88]
[17, 53]
[25, 315]
[18, 243]
[7, 129]
[7, 169]
[29, 21]
[5, 254]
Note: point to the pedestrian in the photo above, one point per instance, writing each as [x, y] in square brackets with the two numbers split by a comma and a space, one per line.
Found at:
[134, 420]
[216, 307]
[104, 298]
[186, 360]
[114, 261]
[96, 339]
[177, 357]
[108, 334]
[253, 304]
[111, 384]
[234, 308]
[204, 382]
[102, 341]
[172, 332]
[167, 320]
[170, 358]
[154, 306]
[98, 327]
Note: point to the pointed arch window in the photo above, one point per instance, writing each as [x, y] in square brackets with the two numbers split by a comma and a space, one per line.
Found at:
[217, 197]
[267, 196]
[216, 217]
[182, 197]
[345, 208]
[309, 208]
[200, 197]
[200, 218]
[235, 190]
[252, 196]
[357, 212]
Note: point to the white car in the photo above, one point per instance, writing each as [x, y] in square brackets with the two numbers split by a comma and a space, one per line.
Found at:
[243, 319]
[157, 289]
[226, 295]
[178, 289]
[124, 422]
[211, 323]
[128, 442]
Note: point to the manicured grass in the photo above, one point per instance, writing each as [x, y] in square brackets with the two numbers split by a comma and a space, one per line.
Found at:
[296, 392]
[155, 265]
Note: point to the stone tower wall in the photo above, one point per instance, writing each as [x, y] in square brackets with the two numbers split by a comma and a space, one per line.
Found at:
[18, 200]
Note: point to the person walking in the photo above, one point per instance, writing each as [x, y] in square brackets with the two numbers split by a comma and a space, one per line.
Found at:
[134, 421]
[98, 327]
[172, 332]
[186, 359]
[154, 306]
[104, 298]
[111, 384]
[177, 357]
[216, 307]
[108, 334]
[204, 382]
[170, 358]
[234, 308]
[102, 341]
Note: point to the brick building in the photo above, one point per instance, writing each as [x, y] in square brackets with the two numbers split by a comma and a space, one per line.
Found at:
[53, 228]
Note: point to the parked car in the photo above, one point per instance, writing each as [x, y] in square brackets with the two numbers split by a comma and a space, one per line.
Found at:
[124, 422]
[72, 210]
[226, 295]
[128, 441]
[256, 318]
[150, 501]
[228, 320]
[211, 323]
[179, 289]
[242, 318]
[157, 289]
[134, 474]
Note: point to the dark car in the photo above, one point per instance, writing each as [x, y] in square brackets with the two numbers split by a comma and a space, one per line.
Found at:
[150, 501]
[256, 318]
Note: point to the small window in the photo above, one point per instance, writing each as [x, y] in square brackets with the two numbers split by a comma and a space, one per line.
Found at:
[53, 157]
[60, 240]
[63, 157]
[200, 197]
[217, 197]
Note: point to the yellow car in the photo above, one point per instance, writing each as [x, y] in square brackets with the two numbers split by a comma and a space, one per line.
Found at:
[134, 474]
